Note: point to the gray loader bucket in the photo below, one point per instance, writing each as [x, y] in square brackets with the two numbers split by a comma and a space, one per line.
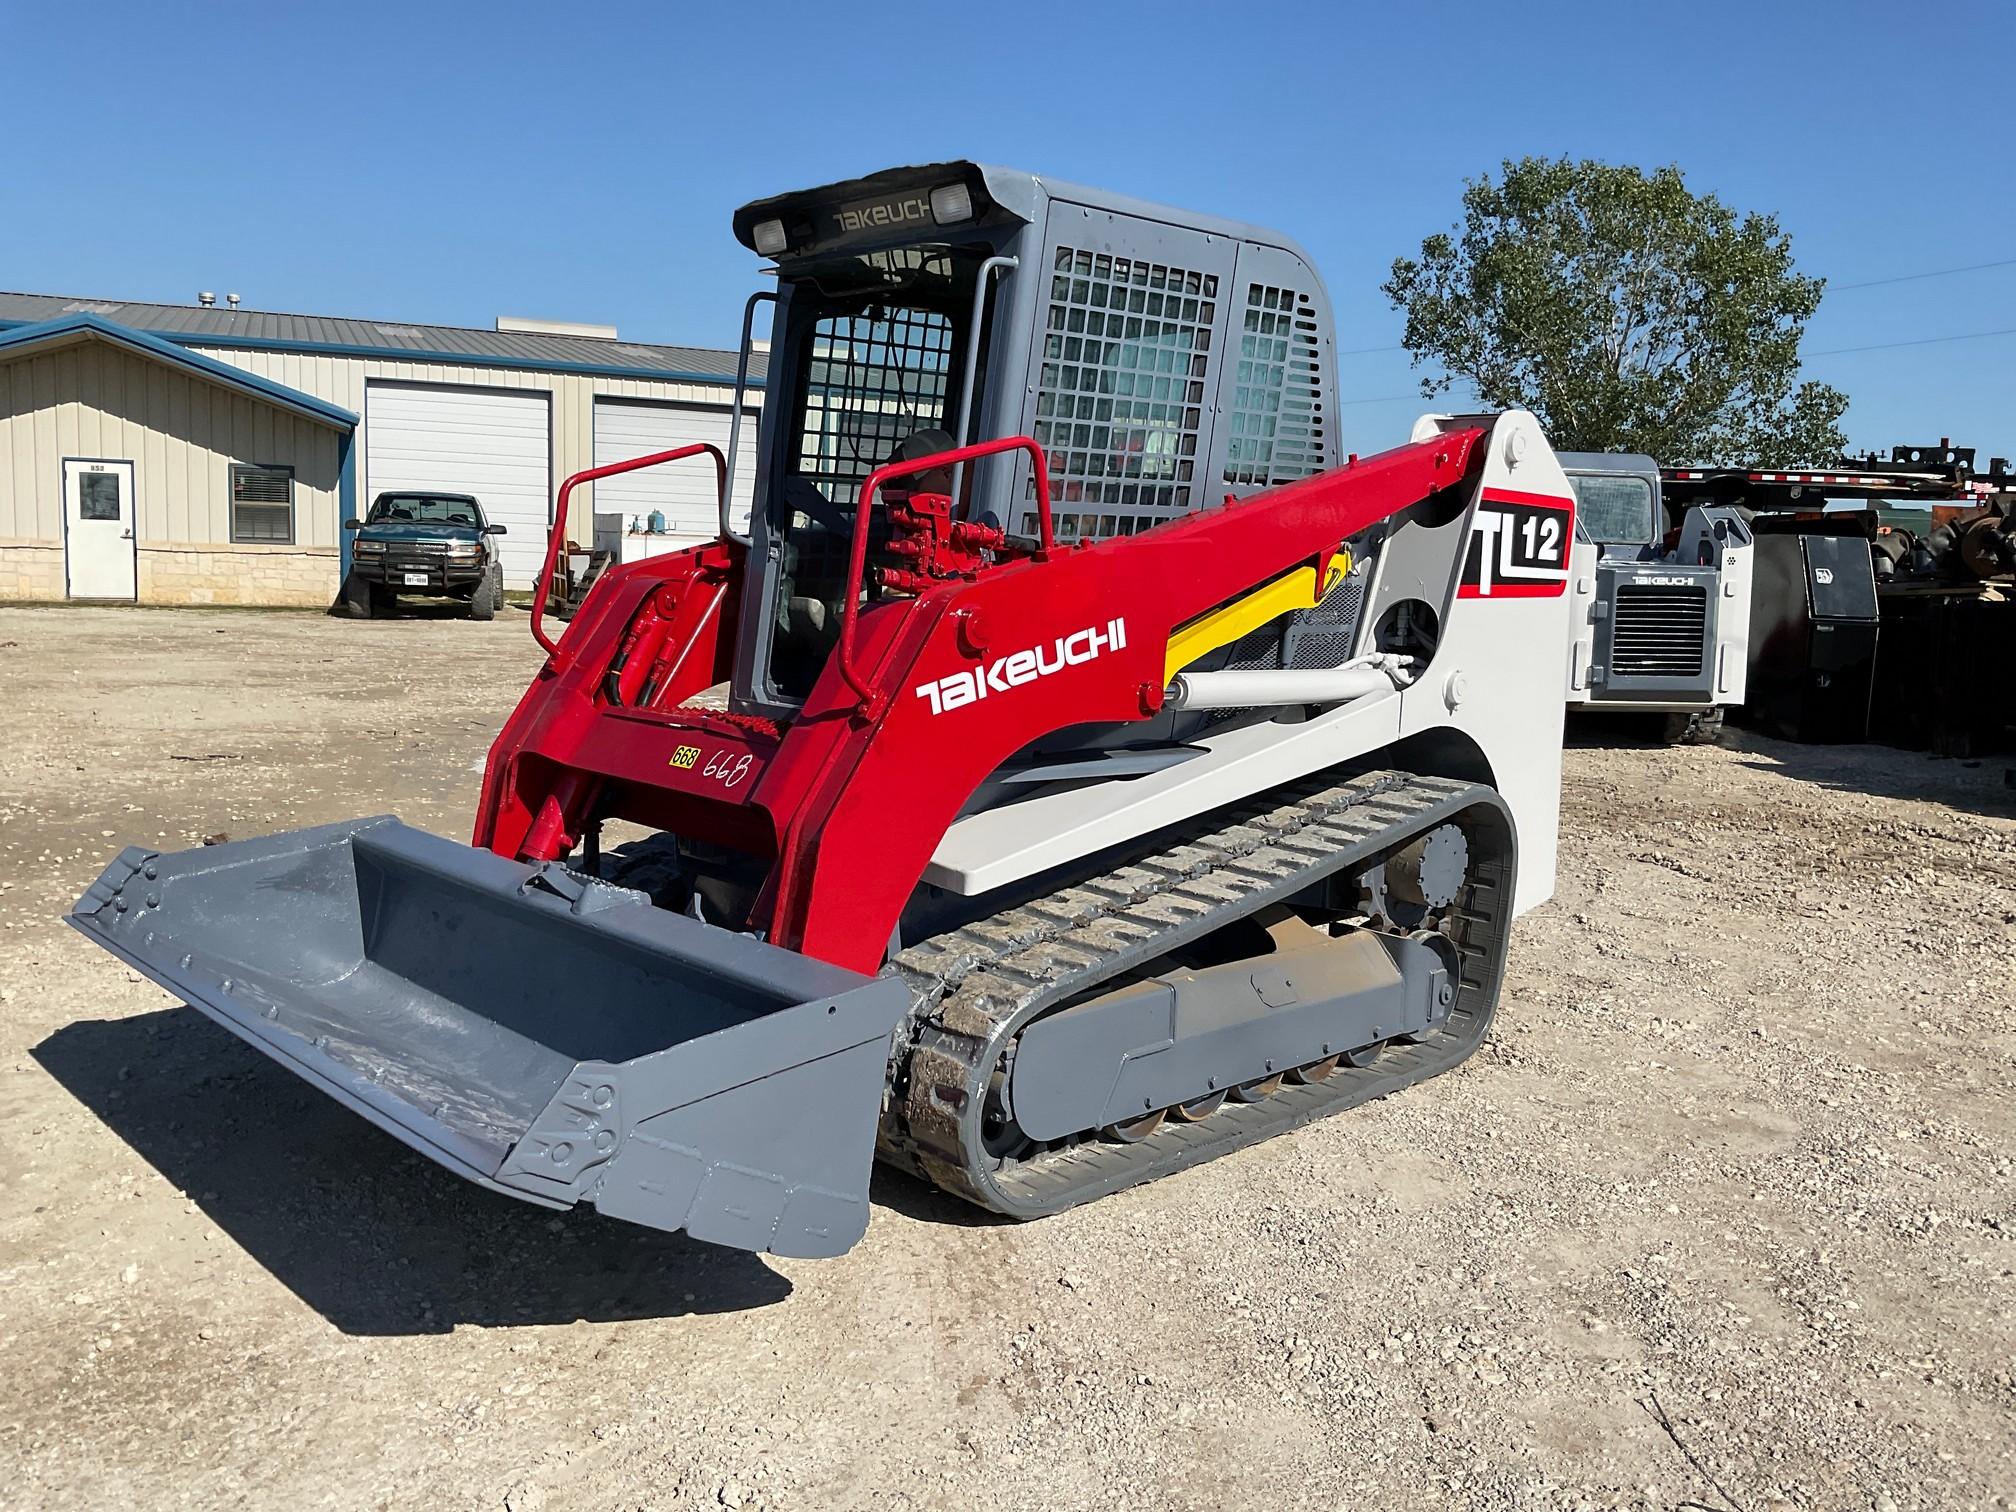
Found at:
[550, 1037]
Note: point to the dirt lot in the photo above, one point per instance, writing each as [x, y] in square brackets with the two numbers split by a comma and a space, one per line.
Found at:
[1744, 1144]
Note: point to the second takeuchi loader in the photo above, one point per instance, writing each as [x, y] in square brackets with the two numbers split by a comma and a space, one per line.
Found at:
[1076, 770]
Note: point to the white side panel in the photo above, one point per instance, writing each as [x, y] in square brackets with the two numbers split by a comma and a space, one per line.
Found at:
[1732, 626]
[991, 849]
[493, 443]
[683, 491]
[1496, 675]
[1581, 622]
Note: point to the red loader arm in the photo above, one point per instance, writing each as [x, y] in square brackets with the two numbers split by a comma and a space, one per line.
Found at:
[935, 693]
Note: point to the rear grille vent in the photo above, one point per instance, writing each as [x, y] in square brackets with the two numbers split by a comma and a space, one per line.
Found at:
[1276, 424]
[1659, 632]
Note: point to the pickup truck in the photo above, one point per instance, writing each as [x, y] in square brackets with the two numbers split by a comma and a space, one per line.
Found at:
[437, 544]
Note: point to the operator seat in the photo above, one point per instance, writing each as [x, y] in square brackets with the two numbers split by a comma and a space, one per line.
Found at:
[808, 623]
[812, 620]
[924, 443]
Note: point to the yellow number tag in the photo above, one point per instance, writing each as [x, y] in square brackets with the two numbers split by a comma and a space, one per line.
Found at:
[685, 757]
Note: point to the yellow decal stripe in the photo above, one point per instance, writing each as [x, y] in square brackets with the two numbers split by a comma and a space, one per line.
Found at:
[1287, 593]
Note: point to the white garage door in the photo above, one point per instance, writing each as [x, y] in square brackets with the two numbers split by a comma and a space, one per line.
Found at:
[683, 490]
[488, 442]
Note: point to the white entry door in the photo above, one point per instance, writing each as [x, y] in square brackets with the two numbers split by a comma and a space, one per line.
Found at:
[98, 520]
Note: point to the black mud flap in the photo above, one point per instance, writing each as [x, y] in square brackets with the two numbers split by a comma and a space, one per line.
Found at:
[545, 1035]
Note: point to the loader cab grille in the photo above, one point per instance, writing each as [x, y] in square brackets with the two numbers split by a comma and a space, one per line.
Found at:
[874, 378]
[1659, 632]
[1277, 419]
[1121, 394]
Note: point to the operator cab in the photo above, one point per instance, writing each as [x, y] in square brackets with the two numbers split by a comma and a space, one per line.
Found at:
[922, 309]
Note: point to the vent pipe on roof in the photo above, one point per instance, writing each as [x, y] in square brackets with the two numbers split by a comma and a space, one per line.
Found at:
[206, 299]
[231, 300]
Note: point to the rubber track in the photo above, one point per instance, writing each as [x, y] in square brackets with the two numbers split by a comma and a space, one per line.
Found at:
[974, 988]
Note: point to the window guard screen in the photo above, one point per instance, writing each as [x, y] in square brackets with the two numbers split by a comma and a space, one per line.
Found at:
[1276, 424]
[1120, 400]
[873, 379]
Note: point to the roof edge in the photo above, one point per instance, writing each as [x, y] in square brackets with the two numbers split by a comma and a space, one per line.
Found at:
[228, 342]
[22, 338]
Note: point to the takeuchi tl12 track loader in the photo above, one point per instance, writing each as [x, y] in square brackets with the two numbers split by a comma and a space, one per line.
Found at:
[1042, 814]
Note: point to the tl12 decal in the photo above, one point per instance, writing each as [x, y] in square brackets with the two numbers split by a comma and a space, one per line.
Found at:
[1518, 547]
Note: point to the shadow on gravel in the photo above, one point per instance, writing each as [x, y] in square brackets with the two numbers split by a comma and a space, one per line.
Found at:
[376, 1238]
[900, 1192]
[1983, 785]
[1599, 732]
[417, 609]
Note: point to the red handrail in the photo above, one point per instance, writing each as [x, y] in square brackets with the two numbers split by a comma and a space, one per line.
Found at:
[558, 536]
[857, 556]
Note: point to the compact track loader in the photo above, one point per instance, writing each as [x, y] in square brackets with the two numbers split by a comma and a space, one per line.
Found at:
[1076, 769]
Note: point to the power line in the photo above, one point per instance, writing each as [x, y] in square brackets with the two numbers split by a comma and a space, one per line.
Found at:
[1362, 351]
[1885, 346]
[1871, 283]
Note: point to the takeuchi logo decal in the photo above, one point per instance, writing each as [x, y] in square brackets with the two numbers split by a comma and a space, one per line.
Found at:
[908, 210]
[1012, 671]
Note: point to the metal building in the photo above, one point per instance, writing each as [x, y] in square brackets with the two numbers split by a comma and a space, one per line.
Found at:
[204, 454]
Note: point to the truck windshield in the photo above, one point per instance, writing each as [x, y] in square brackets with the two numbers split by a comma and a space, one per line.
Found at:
[425, 509]
[1614, 510]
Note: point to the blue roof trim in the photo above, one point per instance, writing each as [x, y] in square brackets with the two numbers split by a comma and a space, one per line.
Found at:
[25, 336]
[186, 339]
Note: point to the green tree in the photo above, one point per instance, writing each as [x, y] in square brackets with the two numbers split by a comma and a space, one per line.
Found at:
[1627, 312]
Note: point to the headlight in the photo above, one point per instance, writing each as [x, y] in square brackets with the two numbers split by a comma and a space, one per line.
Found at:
[465, 553]
[368, 548]
[951, 203]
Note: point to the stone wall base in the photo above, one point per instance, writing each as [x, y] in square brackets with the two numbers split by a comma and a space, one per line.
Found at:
[272, 576]
[31, 570]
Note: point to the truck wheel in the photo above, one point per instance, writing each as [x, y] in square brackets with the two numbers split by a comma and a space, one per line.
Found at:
[488, 595]
[356, 598]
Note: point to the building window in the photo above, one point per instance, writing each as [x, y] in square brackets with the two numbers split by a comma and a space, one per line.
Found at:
[262, 504]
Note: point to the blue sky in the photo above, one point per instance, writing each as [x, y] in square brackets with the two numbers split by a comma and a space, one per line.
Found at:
[454, 163]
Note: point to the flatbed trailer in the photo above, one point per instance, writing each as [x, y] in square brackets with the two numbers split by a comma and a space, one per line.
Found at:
[1940, 602]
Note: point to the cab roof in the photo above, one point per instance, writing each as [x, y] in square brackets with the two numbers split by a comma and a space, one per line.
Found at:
[1008, 193]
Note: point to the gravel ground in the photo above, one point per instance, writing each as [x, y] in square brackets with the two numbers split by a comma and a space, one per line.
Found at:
[1720, 1217]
